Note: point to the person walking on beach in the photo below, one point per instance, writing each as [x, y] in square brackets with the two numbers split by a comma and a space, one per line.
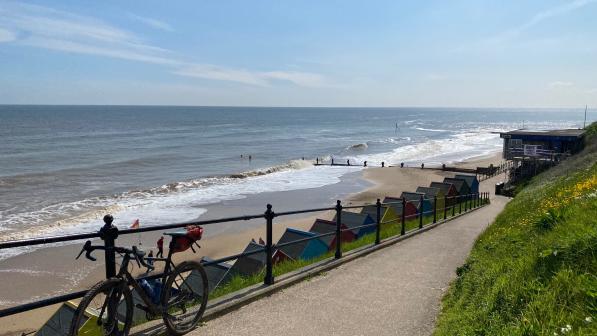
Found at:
[160, 244]
[149, 260]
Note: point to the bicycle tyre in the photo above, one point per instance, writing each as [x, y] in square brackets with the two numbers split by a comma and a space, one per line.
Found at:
[117, 289]
[188, 288]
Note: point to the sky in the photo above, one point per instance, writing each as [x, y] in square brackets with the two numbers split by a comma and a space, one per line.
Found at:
[458, 53]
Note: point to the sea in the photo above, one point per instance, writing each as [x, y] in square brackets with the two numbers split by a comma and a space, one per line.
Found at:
[63, 167]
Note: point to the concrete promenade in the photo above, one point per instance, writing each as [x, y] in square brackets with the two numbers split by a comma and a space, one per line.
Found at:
[394, 291]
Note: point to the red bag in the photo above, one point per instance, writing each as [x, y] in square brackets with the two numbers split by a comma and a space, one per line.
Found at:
[184, 242]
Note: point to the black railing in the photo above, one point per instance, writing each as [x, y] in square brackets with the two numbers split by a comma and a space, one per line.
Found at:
[109, 234]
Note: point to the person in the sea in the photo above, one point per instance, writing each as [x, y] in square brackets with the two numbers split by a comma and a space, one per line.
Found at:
[160, 244]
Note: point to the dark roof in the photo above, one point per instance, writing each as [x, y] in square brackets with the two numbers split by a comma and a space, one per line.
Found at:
[321, 226]
[555, 133]
[445, 187]
[371, 210]
[468, 178]
[251, 264]
[429, 191]
[215, 272]
[398, 206]
[458, 183]
[294, 250]
[353, 219]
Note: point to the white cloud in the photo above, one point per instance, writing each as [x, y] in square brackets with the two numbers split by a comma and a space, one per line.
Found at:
[51, 29]
[7, 35]
[560, 84]
[153, 23]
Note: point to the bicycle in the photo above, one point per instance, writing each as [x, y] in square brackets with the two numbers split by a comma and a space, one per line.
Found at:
[182, 301]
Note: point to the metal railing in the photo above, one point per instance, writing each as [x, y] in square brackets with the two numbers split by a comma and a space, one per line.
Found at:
[109, 234]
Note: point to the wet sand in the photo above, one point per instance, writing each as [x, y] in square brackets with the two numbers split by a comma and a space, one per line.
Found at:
[54, 271]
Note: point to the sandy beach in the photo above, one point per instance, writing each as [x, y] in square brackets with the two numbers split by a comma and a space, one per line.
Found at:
[53, 270]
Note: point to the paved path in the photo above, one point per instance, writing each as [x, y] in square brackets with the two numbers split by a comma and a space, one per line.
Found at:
[394, 291]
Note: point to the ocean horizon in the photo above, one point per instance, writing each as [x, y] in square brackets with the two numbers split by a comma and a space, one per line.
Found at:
[65, 166]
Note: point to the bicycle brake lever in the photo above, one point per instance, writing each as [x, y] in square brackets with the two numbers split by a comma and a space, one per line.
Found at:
[85, 248]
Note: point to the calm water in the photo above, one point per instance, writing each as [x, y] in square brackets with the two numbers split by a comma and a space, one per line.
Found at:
[63, 167]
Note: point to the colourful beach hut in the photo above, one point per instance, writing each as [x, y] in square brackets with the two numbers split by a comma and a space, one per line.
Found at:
[388, 214]
[59, 323]
[254, 263]
[321, 226]
[449, 191]
[471, 180]
[353, 220]
[215, 272]
[460, 185]
[415, 198]
[308, 249]
[410, 209]
[433, 194]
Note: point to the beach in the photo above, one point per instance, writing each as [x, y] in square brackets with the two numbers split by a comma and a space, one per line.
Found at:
[54, 271]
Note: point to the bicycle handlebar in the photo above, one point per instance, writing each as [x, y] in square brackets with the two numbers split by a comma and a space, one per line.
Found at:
[88, 249]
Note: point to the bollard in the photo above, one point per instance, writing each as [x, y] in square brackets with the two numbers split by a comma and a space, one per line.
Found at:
[378, 231]
[338, 229]
[434, 209]
[269, 252]
[403, 219]
[421, 213]
[109, 233]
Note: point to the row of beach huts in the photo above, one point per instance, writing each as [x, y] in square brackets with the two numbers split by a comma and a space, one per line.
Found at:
[354, 226]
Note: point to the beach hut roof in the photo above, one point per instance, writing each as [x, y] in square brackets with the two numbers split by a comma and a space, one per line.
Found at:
[458, 183]
[470, 179]
[59, 323]
[321, 226]
[445, 187]
[294, 250]
[353, 219]
[251, 264]
[215, 272]
[371, 210]
[398, 206]
[412, 196]
[429, 191]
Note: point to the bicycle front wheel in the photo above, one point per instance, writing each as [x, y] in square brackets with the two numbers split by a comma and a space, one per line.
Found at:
[106, 309]
[184, 297]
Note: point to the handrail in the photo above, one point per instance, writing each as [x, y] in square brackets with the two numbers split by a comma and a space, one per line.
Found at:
[109, 234]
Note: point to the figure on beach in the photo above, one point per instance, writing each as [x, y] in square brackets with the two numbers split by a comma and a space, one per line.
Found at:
[149, 260]
[160, 244]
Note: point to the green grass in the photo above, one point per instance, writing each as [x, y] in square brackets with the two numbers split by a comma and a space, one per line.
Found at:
[388, 230]
[534, 270]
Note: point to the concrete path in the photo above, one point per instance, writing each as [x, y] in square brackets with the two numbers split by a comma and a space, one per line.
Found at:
[394, 291]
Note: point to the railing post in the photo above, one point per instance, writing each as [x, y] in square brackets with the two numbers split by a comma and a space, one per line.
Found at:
[378, 231]
[459, 205]
[421, 212]
[434, 209]
[269, 253]
[403, 219]
[109, 233]
[445, 206]
[338, 229]
[454, 205]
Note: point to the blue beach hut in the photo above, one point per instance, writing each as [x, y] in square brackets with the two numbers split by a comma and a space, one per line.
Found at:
[303, 250]
[353, 220]
[471, 180]
[415, 198]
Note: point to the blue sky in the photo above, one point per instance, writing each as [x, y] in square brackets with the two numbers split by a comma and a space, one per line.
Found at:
[300, 53]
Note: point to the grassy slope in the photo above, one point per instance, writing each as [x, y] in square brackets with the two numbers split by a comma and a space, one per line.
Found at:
[534, 270]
